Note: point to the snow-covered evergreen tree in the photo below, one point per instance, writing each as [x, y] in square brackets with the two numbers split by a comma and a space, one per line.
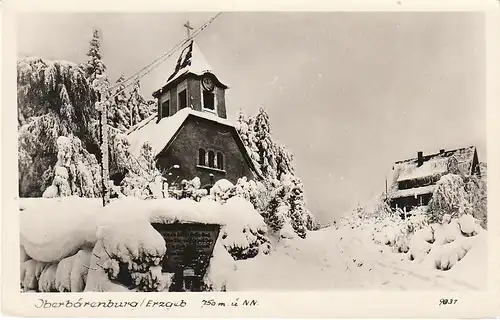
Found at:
[245, 128]
[76, 172]
[284, 165]
[139, 109]
[277, 209]
[118, 113]
[477, 193]
[265, 145]
[298, 213]
[94, 65]
[54, 99]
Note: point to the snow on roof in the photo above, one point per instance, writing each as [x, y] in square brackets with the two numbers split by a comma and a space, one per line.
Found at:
[433, 164]
[429, 168]
[412, 192]
[159, 134]
[191, 60]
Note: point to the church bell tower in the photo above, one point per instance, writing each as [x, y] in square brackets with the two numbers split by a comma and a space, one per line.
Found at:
[192, 85]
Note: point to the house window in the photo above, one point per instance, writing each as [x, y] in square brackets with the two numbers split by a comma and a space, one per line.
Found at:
[211, 158]
[220, 161]
[182, 98]
[208, 100]
[201, 157]
[165, 107]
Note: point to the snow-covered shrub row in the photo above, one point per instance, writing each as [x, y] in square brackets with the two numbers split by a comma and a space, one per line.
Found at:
[67, 275]
[439, 245]
[127, 250]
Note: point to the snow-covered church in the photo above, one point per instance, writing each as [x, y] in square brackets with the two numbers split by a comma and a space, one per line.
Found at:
[190, 134]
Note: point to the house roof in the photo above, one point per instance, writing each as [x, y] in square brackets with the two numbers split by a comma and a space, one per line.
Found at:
[412, 192]
[434, 164]
[190, 61]
[161, 134]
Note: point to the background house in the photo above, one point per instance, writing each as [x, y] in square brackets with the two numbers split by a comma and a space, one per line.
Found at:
[414, 180]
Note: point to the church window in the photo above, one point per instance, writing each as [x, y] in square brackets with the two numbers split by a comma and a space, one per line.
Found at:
[165, 107]
[220, 161]
[211, 159]
[201, 157]
[208, 100]
[182, 98]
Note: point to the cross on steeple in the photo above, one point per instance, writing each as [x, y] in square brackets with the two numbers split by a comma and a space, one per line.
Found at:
[188, 28]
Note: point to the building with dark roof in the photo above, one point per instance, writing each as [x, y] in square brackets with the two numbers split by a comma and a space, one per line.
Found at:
[414, 180]
[190, 134]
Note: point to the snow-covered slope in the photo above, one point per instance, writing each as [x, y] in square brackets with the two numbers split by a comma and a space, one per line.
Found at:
[346, 258]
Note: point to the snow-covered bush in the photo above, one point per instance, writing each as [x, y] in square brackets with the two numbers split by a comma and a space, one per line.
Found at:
[47, 281]
[143, 179]
[469, 225]
[448, 198]
[420, 244]
[63, 274]
[190, 189]
[221, 270]
[80, 270]
[456, 195]
[222, 190]
[132, 245]
[244, 234]
[29, 276]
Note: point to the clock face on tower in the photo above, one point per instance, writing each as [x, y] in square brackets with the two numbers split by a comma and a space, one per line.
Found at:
[208, 83]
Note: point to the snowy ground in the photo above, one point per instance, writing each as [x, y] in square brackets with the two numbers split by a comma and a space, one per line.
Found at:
[343, 258]
[348, 259]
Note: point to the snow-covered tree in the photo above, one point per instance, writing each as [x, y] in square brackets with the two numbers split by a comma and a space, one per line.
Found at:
[94, 65]
[143, 179]
[299, 215]
[284, 160]
[137, 106]
[246, 130]
[276, 210]
[76, 171]
[449, 197]
[265, 145]
[118, 113]
[54, 99]
[476, 190]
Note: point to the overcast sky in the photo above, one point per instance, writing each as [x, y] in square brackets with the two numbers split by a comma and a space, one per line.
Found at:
[348, 93]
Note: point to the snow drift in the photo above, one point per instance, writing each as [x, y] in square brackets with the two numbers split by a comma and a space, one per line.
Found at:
[81, 245]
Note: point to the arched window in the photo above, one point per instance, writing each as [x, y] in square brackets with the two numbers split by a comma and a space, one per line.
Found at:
[220, 161]
[201, 157]
[211, 159]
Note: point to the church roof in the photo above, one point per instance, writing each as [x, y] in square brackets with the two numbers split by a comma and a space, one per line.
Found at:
[161, 134]
[190, 61]
[434, 164]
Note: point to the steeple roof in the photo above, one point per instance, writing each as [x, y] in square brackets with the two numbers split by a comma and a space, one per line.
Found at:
[190, 61]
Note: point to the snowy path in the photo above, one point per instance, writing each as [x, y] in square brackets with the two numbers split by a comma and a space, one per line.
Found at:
[344, 260]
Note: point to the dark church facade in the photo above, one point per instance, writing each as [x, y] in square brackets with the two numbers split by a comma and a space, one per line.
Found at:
[191, 132]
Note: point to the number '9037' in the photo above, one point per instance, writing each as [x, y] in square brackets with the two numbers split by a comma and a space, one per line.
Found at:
[444, 301]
